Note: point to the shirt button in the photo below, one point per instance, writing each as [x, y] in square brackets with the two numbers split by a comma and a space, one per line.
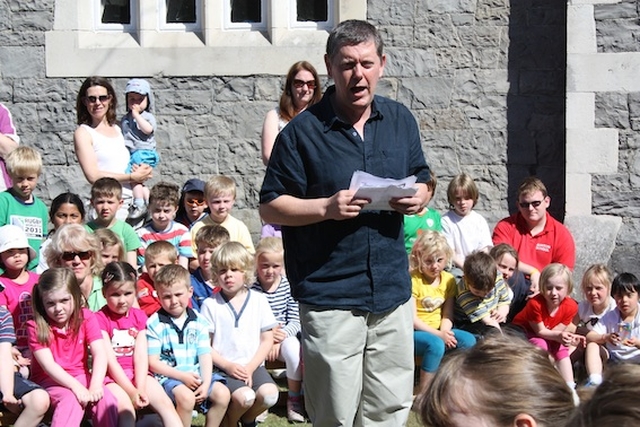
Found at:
[355, 133]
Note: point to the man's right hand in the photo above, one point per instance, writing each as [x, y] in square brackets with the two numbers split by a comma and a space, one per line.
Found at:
[342, 205]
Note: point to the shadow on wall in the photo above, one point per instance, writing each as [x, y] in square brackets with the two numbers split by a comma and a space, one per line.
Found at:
[536, 100]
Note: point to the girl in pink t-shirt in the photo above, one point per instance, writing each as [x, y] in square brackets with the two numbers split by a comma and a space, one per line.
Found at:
[62, 337]
[547, 316]
[124, 327]
[18, 283]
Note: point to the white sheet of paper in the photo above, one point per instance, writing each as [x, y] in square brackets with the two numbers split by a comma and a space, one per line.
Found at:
[381, 190]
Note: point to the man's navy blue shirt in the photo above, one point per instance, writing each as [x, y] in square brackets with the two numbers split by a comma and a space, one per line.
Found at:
[356, 263]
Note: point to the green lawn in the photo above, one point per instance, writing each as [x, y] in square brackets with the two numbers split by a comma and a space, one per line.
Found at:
[278, 418]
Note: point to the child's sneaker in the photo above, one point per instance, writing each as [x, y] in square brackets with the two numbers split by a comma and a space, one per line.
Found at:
[295, 413]
[262, 417]
[136, 214]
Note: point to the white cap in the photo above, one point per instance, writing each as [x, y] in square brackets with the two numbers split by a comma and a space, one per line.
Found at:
[13, 237]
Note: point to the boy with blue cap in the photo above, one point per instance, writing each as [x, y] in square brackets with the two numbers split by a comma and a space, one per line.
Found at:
[138, 128]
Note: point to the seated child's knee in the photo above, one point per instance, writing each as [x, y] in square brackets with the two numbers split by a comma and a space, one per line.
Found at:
[244, 396]
[220, 394]
[270, 399]
[185, 398]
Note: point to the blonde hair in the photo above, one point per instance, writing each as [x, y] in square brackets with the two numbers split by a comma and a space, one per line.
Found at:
[171, 275]
[109, 239]
[233, 255]
[428, 243]
[23, 161]
[499, 378]
[465, 183]
[557, 269]
[597, 271]
[50, 280]
[270, 245]
[219, 185]
[159, 248]
[74, 237]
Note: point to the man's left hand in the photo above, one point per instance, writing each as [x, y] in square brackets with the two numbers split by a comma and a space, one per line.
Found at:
[411, 205]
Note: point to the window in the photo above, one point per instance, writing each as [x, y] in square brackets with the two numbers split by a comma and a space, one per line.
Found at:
[124, 38]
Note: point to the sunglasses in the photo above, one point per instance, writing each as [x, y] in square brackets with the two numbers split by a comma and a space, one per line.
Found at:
[94, 99]
[535, 204]
[70, 256]
[194, 202]
[311, 84]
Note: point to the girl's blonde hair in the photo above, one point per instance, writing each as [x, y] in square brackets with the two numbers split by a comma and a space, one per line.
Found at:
[50, 280]
[428, 243]
[74, 237]
[270, 245]
[597, 271]
[118, 272]
[465, 183]
[476, 381]
[553, 270]
[233, 255]
[109, 239]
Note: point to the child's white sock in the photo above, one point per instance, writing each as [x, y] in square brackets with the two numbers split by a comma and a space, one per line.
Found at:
[571, 384]
[595, 379]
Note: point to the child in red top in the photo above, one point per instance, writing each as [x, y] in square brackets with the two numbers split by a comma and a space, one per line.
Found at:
[124, 327]
[18, 283]
[546, 317]
[62, 335]
[157, 255]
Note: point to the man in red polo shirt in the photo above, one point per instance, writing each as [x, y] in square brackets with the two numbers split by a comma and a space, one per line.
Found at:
[538, 237]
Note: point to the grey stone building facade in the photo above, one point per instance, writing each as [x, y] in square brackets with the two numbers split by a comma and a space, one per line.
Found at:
[485, 80]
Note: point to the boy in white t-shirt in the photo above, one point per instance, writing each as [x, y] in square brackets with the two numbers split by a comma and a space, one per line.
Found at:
[618, 331]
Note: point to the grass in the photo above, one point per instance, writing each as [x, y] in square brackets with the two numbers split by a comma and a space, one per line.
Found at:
[278, 418]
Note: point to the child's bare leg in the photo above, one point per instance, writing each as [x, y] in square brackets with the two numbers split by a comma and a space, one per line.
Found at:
[161, 403]
[241, 400]
[185, 401]
[138, 192]
[594, 355]
[266, 397]
[294, 386]
[565, 369]
[126, 411]
[219, 398]
[36, 404]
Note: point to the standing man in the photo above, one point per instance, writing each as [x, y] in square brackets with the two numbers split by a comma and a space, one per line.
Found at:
[347, 266]
[538, 238]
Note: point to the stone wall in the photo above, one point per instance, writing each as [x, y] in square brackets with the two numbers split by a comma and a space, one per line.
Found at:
[617, 31]
[484, 78]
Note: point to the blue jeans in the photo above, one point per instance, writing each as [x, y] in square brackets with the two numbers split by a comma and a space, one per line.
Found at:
[431, 347]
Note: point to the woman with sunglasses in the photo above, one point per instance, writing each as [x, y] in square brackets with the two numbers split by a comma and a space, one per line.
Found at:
[98, 140]
[74, 247]
[302, 89]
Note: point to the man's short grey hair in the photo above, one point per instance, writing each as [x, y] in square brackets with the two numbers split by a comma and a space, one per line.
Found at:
[353, 32]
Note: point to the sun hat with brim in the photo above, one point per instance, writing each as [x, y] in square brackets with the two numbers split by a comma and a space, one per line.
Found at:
[13, 237]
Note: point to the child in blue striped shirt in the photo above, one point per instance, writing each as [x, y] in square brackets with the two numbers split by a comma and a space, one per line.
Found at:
[286, 336]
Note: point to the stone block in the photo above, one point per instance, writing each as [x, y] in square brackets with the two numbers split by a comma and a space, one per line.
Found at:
[619, 10]
[603, 72]
[581, 29]
[391, 12]
[578, 194]
[480, 37]
[21, 62]
[409, 62]
[592, 150]
[580, 110]
[612, 110]
[595, 239]
[31, 5]
[33, 21]
[450, 6]
[425, 92]
[39, 90]
[618, 35]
